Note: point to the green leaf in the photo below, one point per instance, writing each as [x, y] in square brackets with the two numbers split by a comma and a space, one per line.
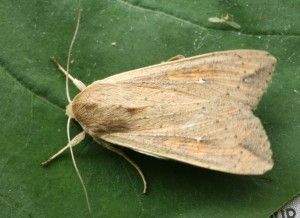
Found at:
[116, 36]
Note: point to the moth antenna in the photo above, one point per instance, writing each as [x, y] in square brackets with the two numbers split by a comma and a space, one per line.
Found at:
[69, 55]
[80, 86]
[119, 152]
[76, 168]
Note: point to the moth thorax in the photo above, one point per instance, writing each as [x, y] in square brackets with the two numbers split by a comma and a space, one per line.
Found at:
[69, 111]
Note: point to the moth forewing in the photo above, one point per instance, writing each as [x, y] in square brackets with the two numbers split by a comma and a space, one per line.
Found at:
[195, 110]
[216, 20]
[240, 74]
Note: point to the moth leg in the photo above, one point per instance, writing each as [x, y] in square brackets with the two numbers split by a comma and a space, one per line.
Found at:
[75, 141]
[175, 58]
[121, 153]
[80, 85]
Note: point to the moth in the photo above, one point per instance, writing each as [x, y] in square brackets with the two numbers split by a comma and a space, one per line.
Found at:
[195, 110]
[226, 20]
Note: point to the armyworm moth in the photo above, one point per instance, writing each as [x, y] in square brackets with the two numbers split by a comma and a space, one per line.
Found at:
[195, 110]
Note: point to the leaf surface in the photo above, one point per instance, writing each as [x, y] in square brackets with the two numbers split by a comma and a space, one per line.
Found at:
[116, 36]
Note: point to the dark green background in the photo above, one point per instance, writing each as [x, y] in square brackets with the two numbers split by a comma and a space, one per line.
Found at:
[32, 99]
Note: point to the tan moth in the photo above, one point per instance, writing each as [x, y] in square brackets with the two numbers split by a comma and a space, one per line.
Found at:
[195, 110]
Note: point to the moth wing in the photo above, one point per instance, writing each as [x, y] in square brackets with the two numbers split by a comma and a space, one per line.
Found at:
[228, 138]
[240, 75]
[195, 110]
